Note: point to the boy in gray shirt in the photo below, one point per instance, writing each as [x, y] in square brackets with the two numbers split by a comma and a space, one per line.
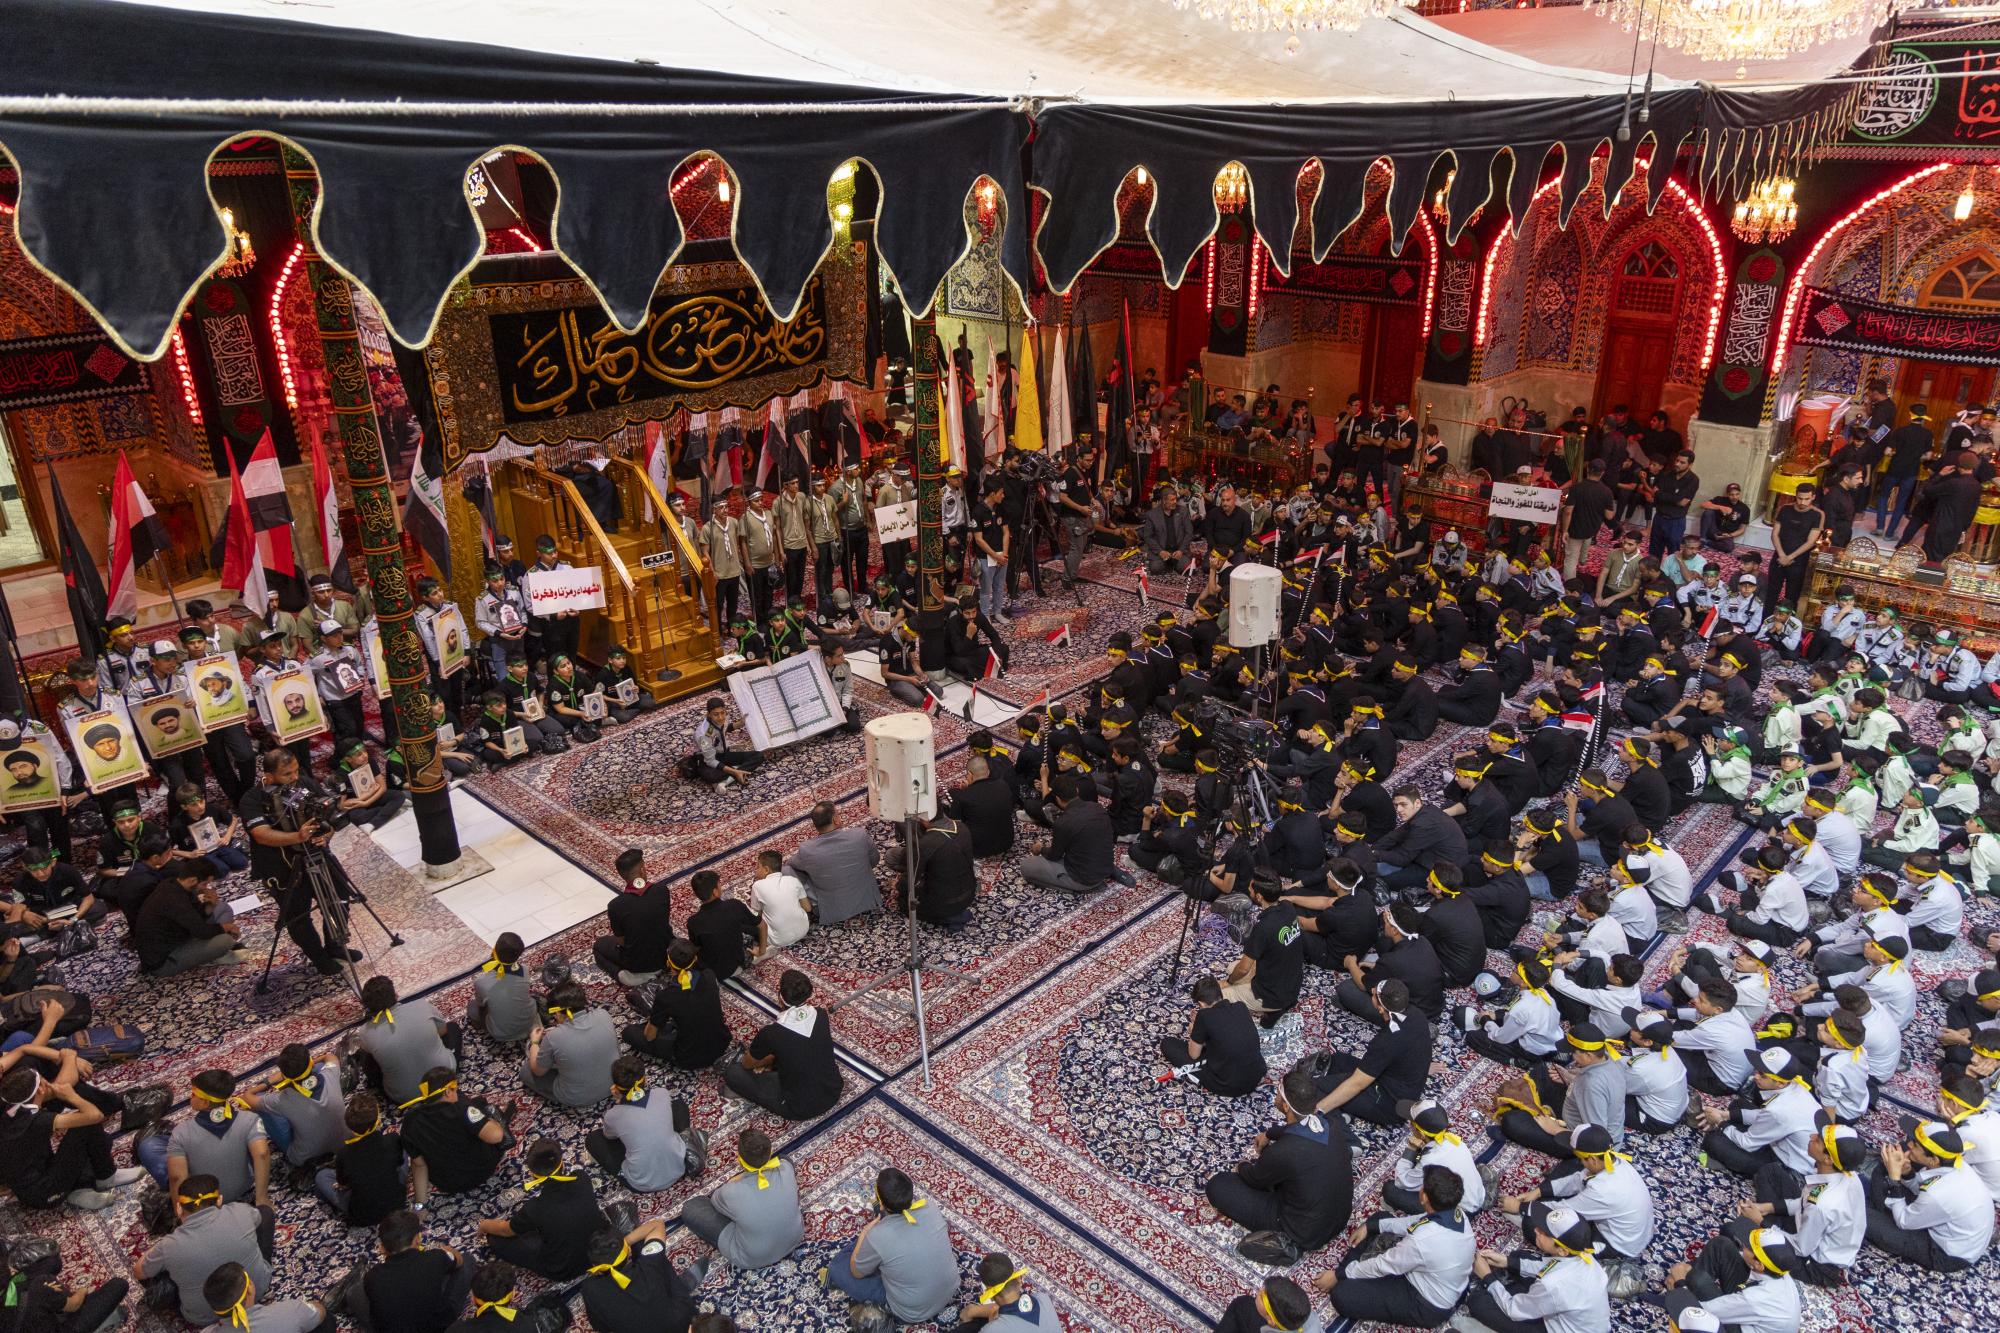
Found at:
[232, 1293]
[645, 1141]
[569, 1062]
[752, 1218]
[218, 1141]
[211, 1233]
[903, 1259]
[406, 1040]
[305, 1109]
[502, 1004]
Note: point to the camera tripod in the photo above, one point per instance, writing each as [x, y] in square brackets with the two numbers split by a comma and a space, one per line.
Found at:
[331, 891]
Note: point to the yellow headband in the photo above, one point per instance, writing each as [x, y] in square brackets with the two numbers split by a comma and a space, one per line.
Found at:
[1610, 1045]
[1757, 1248]
[624, 1253]
[1923, 1137]
[1521, 971]
[492, 964]
[425, 1092]
[299, 1082]
[758, 1171]
[988, 1293]
[356, 1138]
[535, 1182]
[1441, 886]
[1264, 1309]
[1588, 785]
[504, 1307]
[910, 1213]
[239, 1313]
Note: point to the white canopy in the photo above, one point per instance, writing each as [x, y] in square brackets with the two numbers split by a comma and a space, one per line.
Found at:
[1127, 51]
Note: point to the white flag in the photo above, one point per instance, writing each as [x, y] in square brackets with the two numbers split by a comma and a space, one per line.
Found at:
[1061, 431]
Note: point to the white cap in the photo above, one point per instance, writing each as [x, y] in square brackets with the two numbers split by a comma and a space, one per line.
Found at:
[165, 648]
[1451, 538]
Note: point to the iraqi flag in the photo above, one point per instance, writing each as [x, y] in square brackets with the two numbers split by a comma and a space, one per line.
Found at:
[1303, 556]
[423, 516]
[657, 463]
[1059, 638]
[268, 515]
[326, 503]
[242, 552]
[774, 441]
[137, 535]
[1145, 587]
[1707, 630]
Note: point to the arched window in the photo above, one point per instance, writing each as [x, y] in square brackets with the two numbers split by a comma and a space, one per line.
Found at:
[1649, 282]
[1971, 280]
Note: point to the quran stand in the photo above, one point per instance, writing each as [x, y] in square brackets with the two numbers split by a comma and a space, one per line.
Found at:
[914, 965]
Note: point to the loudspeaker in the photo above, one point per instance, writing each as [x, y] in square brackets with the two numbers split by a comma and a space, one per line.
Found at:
[901, 759]
[1254, 595]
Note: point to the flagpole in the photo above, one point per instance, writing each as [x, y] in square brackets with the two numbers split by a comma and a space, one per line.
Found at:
[167, 582]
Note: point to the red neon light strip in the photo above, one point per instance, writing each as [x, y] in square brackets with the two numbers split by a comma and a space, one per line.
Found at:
[186, 378]
[1798, 283]
[278, 325]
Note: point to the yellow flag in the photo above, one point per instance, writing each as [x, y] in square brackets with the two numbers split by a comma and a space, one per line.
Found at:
[1028, 406]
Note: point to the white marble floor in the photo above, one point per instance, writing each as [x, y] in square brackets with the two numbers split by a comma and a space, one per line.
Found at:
[531, 890]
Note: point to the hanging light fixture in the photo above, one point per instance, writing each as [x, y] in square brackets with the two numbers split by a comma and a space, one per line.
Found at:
[1294, 15]
[1232, 187]
[1441, 202]
[1741, 30]
[242, 255]
[1962, 210]
[1767, 214]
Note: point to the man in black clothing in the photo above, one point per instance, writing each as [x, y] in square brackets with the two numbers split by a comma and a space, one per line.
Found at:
[1452, 924]
[1645, 787]
[1221, 1043]
[416, 1288]
[1339, 921]
[492, 1300]
[1405, 956]
[277, 854]
[1591, 505]
[1296, 1195]
[789, 1068]
[1500, 895]
[1295, 846]
[685, 1026]
[1286, 1300]
[1795, 530]
[1414, 715]
[633, 1286]
[459, 1139]
[1078, 857]
[53, 1141]
[985, 806]
[1599, 832]
[1474, 700]
[173, 932]
[1673, 491]
[719, 926]
[641, 924]
[947, 880]
[1392, 1069]
[1273, 966]
[1425, 838]
[549, 1233]
[1906, 448]
[1477, 805]
[1227, 525]
[1172, 828]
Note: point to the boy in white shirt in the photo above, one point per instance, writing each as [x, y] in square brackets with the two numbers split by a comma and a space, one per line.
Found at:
[780, 902]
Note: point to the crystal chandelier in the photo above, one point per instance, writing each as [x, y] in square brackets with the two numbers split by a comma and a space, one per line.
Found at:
[1294, 15]
[1232, 187]
[1750, 29]
[1766, 215]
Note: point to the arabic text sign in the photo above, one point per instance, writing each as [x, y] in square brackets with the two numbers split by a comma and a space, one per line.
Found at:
[35, 372]
[552, 363]
[1532, 504]
[555, 590]
[1829, 319]
[898, 522]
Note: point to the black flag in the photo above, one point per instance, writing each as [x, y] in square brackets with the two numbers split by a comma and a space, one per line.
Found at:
[81, 580]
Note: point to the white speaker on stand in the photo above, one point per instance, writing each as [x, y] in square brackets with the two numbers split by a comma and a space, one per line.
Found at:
[1255, 593]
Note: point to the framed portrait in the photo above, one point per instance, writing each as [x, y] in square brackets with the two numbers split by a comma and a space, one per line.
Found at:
[29, 781]
[107, 747]
[168, 724]
[219, 697]
[291, 701]
[371, 653]
[454, 645]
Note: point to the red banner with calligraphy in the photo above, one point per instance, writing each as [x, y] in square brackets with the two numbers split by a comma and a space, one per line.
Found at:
[1379, 281]
[1829, 319]
[35, 372]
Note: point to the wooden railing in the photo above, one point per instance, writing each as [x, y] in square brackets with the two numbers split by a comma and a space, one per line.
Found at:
[635, 479]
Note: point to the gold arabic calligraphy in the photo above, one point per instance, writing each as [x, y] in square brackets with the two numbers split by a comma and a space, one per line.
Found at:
[578, 360]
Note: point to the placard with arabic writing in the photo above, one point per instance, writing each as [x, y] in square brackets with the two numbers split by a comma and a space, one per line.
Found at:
[542, 362]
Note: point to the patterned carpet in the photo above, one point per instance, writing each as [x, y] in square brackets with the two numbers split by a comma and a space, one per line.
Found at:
[1045, 1131]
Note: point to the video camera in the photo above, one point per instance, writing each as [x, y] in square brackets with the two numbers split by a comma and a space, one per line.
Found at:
[299, 805]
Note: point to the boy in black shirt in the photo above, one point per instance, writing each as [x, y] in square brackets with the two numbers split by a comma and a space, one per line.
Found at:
[633, 1286]
[719, 926]
[1273, 966]
[1339, 922]
[685, 1027]
[455, 1140]
[549, 1233]
[1599, 833]
[366, 1181]
[1393, 1068]
[789, 1069]
[416, 1288]
[48, 886]
[1221, 1043]
[492, 1300]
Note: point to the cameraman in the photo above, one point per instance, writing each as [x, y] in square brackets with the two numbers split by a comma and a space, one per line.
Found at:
[266, 809]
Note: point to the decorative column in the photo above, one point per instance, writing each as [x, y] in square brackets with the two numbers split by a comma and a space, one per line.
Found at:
[380, 530]
[929, 470]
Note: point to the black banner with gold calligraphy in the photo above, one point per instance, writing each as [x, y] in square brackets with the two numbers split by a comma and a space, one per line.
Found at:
[1828, 319]
[552, 363]
[1944, 93]
[35, 372]
[541, 362]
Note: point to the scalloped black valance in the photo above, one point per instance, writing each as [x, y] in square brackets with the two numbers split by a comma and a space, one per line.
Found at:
[116, 205]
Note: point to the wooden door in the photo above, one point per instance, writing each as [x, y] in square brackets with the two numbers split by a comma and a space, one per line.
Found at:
[1946, 390]
[1633, 368]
